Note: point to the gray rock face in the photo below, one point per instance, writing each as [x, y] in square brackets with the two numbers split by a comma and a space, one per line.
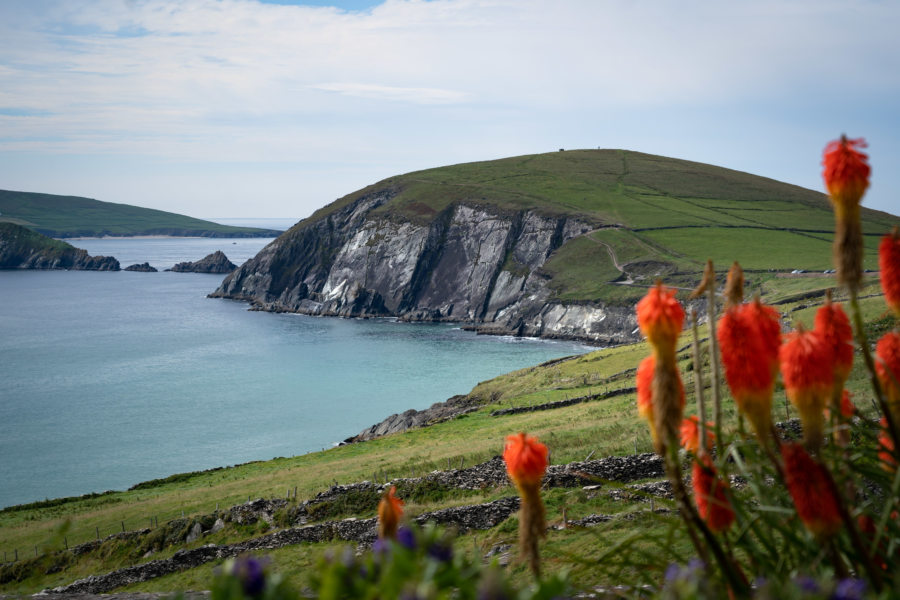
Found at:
[216, 262]
[439, 411]
[468, 265]
[142, 268]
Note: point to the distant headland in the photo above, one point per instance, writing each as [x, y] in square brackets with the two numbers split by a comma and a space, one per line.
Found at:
[74, 217]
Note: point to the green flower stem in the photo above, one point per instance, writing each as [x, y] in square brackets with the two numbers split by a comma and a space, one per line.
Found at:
[698, 380]
[714, 358]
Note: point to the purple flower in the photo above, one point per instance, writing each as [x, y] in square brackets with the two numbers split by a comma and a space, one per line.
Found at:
[381, 547]
[440, 552]
[807, 584]
[849, 589]
[252, 574]
[406, 538]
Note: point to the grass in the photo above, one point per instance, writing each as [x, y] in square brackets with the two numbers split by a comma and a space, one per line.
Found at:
[73, 216]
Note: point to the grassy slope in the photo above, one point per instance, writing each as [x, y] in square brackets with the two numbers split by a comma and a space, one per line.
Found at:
[24, 241]
[608, 427]
[670, 212]
[73, 216]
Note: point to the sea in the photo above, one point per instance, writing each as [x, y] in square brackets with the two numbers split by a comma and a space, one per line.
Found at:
[108, 379]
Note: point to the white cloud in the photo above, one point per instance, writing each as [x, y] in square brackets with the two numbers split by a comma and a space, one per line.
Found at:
[393, 93]
[411, 84]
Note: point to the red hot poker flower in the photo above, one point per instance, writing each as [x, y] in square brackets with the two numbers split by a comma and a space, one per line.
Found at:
[846, 171]
[709, 495]
[813, 492]
[526, 462]
[526, 459]
[847, 177]
[390, 511]
[833, 326]
[646, 375]
[690, 434]
[749, 337]
[644, 386]
[889, 266]
[660, 318]
[887, 367]
[806, 370]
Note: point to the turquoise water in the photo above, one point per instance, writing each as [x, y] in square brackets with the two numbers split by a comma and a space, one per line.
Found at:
[109, 379]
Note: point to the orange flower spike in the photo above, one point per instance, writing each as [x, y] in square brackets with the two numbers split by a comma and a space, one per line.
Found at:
[749, 337]
[833, 325]
[690, 434]
[390, 511]
[887, 367]
[526, 460]
[846, 172]
[889, 266]
[806, 361]
[709, 495]
[661, 317]
[813, 492]
[846, 176]
[526, 463]
[644, 384]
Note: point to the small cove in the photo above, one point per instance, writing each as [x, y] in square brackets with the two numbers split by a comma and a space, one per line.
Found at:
[114, 378]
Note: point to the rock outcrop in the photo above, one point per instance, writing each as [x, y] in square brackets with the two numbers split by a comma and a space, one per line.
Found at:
[216, 262]
[142, 268]
[22, 248]
[468, 264]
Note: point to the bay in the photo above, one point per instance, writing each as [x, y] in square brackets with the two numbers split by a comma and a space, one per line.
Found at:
[112, 378]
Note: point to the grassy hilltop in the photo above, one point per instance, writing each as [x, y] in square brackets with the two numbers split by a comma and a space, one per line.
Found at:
[74, 216]
[654, 215]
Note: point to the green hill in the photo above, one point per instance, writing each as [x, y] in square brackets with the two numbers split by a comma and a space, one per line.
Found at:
[553, 245]
[74, 216]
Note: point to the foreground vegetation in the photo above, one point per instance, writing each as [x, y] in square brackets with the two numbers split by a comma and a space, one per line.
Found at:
[74, 216]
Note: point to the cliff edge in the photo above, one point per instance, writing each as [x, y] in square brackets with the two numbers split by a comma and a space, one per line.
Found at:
[22, 248]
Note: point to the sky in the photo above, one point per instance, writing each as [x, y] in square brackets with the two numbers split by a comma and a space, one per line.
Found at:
[244, 108]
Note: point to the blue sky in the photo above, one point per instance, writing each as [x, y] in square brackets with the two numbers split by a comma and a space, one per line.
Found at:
[242, 108]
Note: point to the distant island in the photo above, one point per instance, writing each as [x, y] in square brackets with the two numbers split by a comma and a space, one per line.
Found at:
[74, 216]
[22, 248]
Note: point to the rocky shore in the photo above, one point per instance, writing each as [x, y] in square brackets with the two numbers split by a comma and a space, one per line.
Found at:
[216, 262]
[22, 248]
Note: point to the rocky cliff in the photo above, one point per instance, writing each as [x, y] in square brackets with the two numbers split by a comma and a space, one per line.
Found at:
[469, 264]
[216, 262]
[21, 248]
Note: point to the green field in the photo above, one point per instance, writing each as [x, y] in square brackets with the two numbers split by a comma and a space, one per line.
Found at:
[73, 216]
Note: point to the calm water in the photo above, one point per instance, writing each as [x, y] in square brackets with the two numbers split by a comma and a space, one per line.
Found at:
[109, 379]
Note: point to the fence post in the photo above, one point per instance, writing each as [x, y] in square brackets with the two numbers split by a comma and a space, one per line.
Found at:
[295, 492]
[98, 534]
[35, 550]
[17, 554]
[65, 539]
[123, 526]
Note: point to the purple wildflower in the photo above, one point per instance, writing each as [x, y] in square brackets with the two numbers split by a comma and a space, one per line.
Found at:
[849, 589]
[252, 574]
